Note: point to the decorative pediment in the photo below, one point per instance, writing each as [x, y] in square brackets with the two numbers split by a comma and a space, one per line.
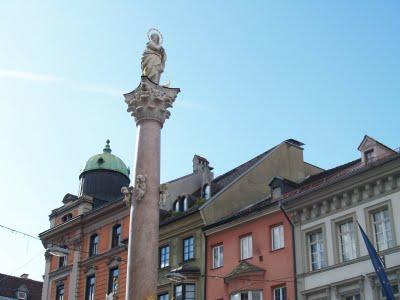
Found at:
[243, 269]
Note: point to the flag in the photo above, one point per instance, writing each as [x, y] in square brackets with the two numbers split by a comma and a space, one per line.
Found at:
[378, 266]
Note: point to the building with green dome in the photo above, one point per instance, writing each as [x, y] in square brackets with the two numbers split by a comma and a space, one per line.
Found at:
[104, 175]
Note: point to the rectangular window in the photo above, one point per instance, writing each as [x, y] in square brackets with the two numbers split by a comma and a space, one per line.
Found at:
[188, 248]
[246, 247]
[382, 229]
[316, 250]
[116, 236]
[164, 256]
[352, 297]
[163, 296]
[90, 285]
[185, 292]
[60, 292]
[218, 256]
[278, 241]
[369, 155]
[113, 280]
[346, 236]
[280, 293]
[62, 261]
[94, 245]
[247, 295]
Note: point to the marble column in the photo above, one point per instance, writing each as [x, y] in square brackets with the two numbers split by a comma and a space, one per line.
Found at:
[148, 104]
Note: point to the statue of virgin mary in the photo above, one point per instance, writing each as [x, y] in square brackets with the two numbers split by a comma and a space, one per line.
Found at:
[154, 56]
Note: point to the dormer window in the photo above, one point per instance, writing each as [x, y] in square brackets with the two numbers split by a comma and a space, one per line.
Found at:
[369, 155]
[206, 192]
[182, 204]
[276, 192]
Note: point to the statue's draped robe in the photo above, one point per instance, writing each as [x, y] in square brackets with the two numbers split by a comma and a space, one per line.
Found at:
[153, 62]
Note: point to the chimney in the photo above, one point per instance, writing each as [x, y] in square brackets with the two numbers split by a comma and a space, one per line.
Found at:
[200, 163]
[25, 276]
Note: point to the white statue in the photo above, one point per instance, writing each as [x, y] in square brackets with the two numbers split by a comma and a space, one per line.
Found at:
[154, 57]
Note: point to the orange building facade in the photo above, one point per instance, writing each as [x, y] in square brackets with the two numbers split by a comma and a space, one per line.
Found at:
[250, 255]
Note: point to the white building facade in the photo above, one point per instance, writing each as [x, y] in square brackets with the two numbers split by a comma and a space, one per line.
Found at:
[332, 261]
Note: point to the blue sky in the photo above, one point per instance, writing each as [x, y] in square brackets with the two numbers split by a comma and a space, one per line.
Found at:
[252, 73]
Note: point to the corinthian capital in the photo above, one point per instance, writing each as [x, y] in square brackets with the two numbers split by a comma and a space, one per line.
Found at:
[150, 101]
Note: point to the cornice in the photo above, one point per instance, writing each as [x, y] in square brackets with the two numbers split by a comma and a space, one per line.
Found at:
[67, 207]
[110, 254]
[353, 261]
[60, 273]
[243, 219]
[344, 195]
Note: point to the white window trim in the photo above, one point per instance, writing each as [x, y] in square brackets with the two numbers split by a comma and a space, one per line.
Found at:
[220, 261]
[250, 247]
[279, 288]
[249, 292]
[335, 236]
[306, 246]
[281, 237]
[370, 224]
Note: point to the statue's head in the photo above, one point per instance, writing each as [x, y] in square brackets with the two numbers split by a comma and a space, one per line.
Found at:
[155, 38]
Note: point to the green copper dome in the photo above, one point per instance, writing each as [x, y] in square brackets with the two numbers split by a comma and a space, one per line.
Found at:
[106, 161]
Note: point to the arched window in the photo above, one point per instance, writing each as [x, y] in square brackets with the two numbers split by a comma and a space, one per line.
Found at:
[182, 204]
[94, 245]
[66, 217]
[206, 191]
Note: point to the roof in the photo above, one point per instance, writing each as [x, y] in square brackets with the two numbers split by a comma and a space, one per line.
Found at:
[106, 161]
[9, 286]
[313, 182]
[366, 137]
[227, 178]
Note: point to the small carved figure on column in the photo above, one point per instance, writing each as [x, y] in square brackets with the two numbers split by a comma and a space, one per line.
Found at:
[140, 187]
[138, 191]
[154, 56]
[127, 192]
[163, 195]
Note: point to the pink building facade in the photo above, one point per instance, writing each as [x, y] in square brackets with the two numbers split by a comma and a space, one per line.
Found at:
[250, 255]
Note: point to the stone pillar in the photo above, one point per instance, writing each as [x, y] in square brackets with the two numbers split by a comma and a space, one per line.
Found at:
[149, 104]
[46, 280]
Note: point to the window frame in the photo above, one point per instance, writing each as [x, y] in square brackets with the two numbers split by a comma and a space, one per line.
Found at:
[62, 261]
[248, 292]
[193, 248]
[110, 285]
[369, 211]
[59, 295]
[335, 225]
[88, 285]
[184, 285]
[220, 260]
[115, 235]
[281, 237]
[281, 288]
[159, 296]
[160, 264]
[241, 238]
[306, 244]
[94, 250]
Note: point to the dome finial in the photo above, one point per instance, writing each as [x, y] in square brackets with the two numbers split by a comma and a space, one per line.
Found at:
[107, 147]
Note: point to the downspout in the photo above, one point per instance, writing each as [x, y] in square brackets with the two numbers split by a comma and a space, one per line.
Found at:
[205, 266]
[293, 248]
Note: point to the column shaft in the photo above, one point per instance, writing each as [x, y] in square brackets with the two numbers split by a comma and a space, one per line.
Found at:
[144, 221]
